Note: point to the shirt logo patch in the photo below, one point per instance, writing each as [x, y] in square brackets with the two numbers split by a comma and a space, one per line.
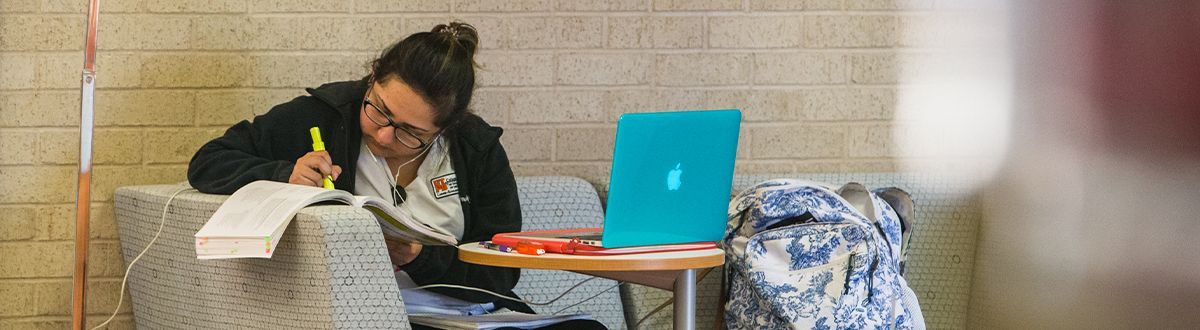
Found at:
[445, 185]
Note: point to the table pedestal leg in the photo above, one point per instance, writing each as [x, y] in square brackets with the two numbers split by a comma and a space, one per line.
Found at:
[685, 300]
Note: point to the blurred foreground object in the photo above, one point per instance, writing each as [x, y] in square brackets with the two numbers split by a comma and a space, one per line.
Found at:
[1092, 220]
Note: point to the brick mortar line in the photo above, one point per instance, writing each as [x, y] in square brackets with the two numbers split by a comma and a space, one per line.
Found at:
[426, 14]
[843, 85]
[768, 161]
[494, 14]
[546, 87]
[566, 162]
[556, 125]
[46, 204]
[29, 90]
[61, 129]
[196, 89]
[803, 160]
[34, 90]
[754, 160]
[575, 125]
[58, 279]
[70, 166]
[164, 89]
[103, 126]
[500, 14]
[187, 51]
[618, 88]
[811, 122]
[97, 240]
[848, 69]
[485, 89]
[121, 316]
[127, 165]
[455, 8]
[554, 145]
[555, 56]
[882, 50]
[797, 161]
[245, 51]
[248, 52]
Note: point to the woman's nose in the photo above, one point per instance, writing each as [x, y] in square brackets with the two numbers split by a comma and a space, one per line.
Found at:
[384, 135]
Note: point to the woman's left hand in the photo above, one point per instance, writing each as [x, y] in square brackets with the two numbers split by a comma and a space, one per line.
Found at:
[400, 251]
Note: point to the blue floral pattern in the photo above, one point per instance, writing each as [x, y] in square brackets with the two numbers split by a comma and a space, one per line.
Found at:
[839, 270]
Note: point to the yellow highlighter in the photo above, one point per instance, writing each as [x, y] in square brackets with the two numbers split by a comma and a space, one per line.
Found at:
[327, 181]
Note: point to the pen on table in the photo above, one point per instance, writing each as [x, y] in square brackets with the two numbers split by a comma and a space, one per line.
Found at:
[496, 247]
[531, 248]
[318, 145]
[524, 247]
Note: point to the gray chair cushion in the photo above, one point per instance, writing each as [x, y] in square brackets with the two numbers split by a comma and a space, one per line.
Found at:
[331, 270]
[563, 203]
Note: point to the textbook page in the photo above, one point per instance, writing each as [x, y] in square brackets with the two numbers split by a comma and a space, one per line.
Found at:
[262, 208]
[251, 221]
[403, 226]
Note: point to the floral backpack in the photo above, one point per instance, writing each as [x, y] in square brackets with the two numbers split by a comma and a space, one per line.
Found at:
[800, 255]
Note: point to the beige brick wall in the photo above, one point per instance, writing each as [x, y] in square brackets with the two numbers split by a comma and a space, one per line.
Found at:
[816, 79]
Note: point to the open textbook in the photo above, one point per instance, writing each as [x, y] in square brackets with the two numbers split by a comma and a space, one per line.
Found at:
[251, 221]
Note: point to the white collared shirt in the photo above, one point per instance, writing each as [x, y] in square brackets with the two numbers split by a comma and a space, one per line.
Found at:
[432, 197]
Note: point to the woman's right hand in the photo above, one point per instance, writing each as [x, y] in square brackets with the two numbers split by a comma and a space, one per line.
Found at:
[312, 167]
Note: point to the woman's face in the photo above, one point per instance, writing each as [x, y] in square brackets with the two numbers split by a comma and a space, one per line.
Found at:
[406, 109]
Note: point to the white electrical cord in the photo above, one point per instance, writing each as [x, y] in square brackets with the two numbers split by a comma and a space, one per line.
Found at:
[551, 301]
[588, 298]
[393, 178]
[139, 256]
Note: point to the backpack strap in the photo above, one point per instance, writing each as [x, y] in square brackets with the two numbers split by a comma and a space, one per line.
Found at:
[741, 221]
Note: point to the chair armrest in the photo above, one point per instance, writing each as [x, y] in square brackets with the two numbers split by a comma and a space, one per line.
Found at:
[330, 269]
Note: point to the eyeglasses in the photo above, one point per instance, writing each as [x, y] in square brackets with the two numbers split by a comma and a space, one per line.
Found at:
[403, 135]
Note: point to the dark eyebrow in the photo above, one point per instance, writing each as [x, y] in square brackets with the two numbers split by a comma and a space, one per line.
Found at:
[383, 106]
[416, 128]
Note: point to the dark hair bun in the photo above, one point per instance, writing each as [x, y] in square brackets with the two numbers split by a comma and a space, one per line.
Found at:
[458, 33]
[438, 64]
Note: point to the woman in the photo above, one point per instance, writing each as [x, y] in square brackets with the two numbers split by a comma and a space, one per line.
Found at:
[403, 134]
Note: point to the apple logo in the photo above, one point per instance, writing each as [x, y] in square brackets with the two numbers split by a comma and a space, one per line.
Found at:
[673, 177]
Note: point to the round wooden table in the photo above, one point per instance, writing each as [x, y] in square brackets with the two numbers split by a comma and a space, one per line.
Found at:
[675, 271]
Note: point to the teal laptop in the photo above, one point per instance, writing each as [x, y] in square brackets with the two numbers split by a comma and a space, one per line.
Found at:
[672, 173]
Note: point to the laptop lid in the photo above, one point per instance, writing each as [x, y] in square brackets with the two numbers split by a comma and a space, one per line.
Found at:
[672, 173]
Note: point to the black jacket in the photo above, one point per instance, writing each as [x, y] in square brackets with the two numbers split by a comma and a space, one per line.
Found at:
[266, 149]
